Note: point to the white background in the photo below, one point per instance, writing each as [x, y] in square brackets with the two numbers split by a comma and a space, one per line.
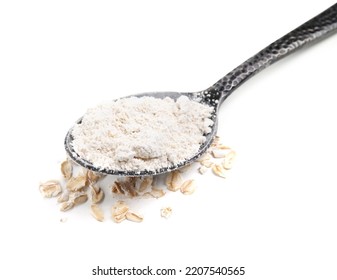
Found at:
[276, 212]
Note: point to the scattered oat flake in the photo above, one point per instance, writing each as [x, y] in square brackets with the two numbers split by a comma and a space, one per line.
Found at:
[97, 194]
[223, 147]
[119, 210]
[67, 169]
[166, 212]
[142, 184]
[97, 212]
[116, 188]
[50, 188]
[93, 177]
[188, 187]
[78, 197]
[129, 187]
[173, 181]
[76, 183]
[219, 170]
[207, 163]
[156, 192]
[125, 186]
[119, 218]
[134, 217]
[220, 153]
[63, 197]
[202, 169]
[147, 195]
[216, 141]
[228, 161]
[63, 220]
[65, 206]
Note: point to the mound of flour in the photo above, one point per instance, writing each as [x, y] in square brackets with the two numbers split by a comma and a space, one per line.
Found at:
[142, 133]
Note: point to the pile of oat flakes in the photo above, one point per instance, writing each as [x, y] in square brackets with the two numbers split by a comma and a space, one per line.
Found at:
[79, 185]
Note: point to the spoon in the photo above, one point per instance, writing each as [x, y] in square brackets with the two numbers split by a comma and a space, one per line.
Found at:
[312, 31]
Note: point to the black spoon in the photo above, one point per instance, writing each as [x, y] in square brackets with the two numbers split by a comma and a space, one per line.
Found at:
[312, 31]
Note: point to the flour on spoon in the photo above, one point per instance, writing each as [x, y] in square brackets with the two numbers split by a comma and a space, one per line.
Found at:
[142, 133]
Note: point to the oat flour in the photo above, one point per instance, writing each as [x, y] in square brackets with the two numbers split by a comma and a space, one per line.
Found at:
[142, 133]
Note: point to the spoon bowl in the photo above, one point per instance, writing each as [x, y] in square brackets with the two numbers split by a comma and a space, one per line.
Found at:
[200, 97]
[312, 31]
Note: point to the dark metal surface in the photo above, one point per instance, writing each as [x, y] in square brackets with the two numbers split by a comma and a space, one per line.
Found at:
[312, 31]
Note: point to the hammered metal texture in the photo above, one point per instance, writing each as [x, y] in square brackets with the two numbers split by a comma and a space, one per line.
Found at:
[313, 30]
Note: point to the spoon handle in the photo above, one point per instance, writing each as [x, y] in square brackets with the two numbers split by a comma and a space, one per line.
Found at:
[313, 30]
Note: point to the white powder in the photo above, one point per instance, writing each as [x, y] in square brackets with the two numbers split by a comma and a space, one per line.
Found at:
[142, 133]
